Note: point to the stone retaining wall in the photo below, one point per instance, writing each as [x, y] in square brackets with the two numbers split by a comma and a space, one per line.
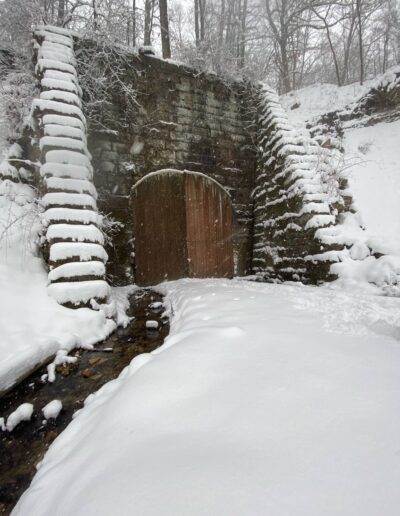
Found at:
[183, 119]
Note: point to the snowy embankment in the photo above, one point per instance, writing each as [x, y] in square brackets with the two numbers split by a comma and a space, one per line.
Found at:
[33, 326]
[313, 101]
[265, 399]
[372, 165]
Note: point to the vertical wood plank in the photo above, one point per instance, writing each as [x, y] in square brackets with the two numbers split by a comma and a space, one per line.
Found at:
[209, 222]
[160, 229]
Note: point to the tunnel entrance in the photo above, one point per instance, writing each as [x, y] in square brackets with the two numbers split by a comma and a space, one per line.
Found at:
[182, 227]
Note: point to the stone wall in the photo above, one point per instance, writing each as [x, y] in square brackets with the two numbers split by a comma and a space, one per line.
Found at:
[298, 195]
[183, 119]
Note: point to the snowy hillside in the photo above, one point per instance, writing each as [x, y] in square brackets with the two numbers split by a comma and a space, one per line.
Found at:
[374, 180]
[36, 327]
[308, 103]
[371, 164]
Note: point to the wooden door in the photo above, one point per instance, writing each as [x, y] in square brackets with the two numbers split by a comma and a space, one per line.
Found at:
[209, 228]
[182, 228]
[160, 228]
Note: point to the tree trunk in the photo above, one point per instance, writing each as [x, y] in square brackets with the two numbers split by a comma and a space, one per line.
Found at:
[147, 22]
[242, 43]
[333, 52]
[95, 15]
[202, 5]
[196, 22]
[285, 74]
[347, 52]
[134, 23]
[61, 13]
[166, 48]
[360, 41]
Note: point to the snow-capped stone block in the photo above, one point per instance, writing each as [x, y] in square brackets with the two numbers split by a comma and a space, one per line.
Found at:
[76, 270]
[74, 251]
[74, 233]
[61, 96]
[65, 170]
[55, 38]
[71, 215]
[57, 107]
[64, 120]
[58, 184]
[64, 131]
[79, 292]
[51, 200]
[68, 157]
[59, 142]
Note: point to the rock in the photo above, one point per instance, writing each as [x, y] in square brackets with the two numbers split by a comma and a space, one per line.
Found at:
[97, 361]
[87, 373]
[96, 377]
[152, 325]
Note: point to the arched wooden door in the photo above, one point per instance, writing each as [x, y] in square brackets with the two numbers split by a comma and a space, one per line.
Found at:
[182, 227]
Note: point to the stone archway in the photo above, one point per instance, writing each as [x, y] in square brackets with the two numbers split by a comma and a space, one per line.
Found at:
[182, 226]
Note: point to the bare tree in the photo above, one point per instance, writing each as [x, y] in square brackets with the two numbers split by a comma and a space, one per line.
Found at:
[164, 26]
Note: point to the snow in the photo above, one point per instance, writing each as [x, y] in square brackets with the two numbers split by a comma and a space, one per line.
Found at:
[64, 130]
[68, 157]
[54, 64]
[58, 141]
[62, 96]
[75, 232]
[52, 409]
[151, 325]
[65, 170]
[68, 199]
[73, 185]
[85, 251]
[77, 292]
[374, 181]
[58, 107]
[22, 413]
[319, 99]
[70, 270]
[264, 399]
[59, 39]
[52, 54]
[37, 327]
[72, 215]
[66, 121]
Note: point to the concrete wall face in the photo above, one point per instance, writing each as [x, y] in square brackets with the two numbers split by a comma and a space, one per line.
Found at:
[184, 120]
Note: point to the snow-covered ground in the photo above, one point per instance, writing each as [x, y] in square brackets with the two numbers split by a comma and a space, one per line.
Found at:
[33, 326]
[264, 399]
[371, 163]
[374, 181]
[318, 99]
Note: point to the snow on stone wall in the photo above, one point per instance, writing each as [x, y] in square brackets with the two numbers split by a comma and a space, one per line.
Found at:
[74, 240]
[297, 193]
